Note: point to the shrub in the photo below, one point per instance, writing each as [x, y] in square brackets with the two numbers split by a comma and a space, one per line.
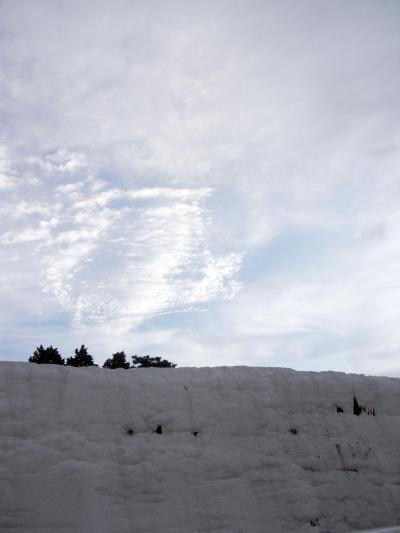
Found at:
[146, 361]
[47, 355]
[117, 360]
[81, 358]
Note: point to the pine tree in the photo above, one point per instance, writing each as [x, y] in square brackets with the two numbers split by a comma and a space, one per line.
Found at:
[146, 361]
[118, 360]
[47, 355]
[81, 358]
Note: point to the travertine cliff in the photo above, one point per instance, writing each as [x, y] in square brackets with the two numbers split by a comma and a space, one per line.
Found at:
[235, 450]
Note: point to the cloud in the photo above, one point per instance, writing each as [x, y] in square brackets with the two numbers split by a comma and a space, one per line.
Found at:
[7, 176]
[236, 158]
[120, 255]
[162, 261]
[27, 235]
[60, 161]
[5, 182]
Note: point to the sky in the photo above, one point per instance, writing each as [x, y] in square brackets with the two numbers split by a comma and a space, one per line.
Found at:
[214, 182]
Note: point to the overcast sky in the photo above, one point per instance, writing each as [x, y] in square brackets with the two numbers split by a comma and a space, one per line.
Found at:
[216, 182]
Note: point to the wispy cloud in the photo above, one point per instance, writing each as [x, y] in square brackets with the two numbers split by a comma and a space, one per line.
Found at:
[237, 159]
[59, 161]
[122, 255]
[6, 171]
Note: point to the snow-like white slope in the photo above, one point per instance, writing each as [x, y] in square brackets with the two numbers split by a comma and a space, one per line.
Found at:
[238, 450]
[395, 529]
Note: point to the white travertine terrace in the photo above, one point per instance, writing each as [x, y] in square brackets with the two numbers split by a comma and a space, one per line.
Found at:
[230, 449]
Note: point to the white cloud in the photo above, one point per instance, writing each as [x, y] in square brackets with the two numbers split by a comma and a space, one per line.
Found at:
[121, 255]
[24, 209]
[40, 233]
[60, 161]
[7, 175]
[69, 188]
[169, 192]
[6, 182]
[211, 134]
[161, 262]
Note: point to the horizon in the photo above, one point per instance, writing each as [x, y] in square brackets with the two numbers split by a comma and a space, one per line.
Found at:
[205, 367]
[214, 183]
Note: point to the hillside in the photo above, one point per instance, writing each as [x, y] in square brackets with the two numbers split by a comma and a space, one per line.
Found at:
[230, 449]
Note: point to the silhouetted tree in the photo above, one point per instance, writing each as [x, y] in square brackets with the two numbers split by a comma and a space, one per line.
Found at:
[81, 358]
[47, 355]
[147, 361]
[118, 360]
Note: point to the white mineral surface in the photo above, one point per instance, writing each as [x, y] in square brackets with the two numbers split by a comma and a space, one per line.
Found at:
[231, 449]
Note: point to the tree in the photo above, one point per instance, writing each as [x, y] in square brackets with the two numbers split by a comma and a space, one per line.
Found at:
[118, 360]
[47, 355]
[81, 358]
[146, 361]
